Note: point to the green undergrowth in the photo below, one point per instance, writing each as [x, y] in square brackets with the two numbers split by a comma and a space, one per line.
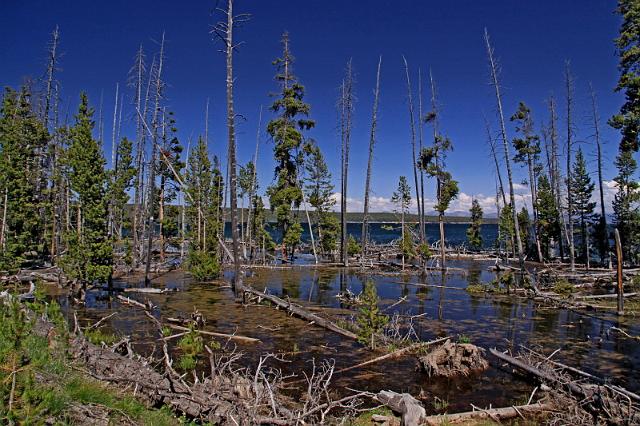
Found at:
[563, 287]
[39, 384]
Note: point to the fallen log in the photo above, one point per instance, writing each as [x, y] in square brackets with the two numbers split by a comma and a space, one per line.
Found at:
[412, 412]
[129, 301]
[604, 296]
[489, 414]
[300, 312]
[214, 334]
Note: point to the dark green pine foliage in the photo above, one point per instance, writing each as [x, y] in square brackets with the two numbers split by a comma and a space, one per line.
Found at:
[582, 189]
[245, 187]
[474, 235]
[432, 162]
[286, 132]
[505, 225]
[121, 183]
[548, 224]
[318, 190]
[524, 221]
[259, 226]
[22, 136]
[204, 212]
[90, 253]
[625, 204]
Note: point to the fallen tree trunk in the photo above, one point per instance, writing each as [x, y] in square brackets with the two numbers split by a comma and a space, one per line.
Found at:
[300, 312]
[489, 414]
[212, 333]
[412, 412]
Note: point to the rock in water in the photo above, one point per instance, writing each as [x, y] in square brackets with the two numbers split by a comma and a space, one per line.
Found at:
[452, 359]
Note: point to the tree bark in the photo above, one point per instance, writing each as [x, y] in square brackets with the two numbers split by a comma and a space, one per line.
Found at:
[569, 88]
[367, 185]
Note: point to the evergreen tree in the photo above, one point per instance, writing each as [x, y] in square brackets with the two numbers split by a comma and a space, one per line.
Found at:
[199, 179]
[258, 226]
[121, 183]
[319, 190]
[548, 223]
[245, 186]
[286, 131]
[402, 199]
[527, 148]
[474, 235]
[524, 222]
[582, 188]
[625, 204]
[506, 228]
[90, 252]
[22, 136]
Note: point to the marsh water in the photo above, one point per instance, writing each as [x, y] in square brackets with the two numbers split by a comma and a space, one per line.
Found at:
[502, 321]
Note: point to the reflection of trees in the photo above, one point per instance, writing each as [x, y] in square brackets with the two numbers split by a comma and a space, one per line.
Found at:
[441, 295]
[326, 282]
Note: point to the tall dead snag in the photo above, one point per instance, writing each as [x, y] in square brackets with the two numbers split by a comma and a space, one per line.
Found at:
[224, 32]
[619, 277]
[151, 188]
[423, 230]
[603, 241]
[254, 186]
[555, 173]
[136, 81]
[493, 68]
[568, 80]
[346, 105]
[372, 141]
[114, 149]
[412, 126]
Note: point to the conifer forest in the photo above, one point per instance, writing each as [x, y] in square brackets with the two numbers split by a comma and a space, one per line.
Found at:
[291, 254]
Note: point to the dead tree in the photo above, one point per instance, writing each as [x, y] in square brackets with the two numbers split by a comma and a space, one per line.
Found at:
[372, 141]
[114, 149]
[151, 187]
[254, 185]
[493, 67]
[423, 230]
[136, 81]
[568, 79]
[603, 216]
[346, 121]
[439, 159]
[412, 127]
[555, 173]
[224, 32]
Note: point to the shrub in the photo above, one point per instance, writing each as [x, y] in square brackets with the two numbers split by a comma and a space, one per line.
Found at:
[203, 265]
[370, 320]
[353, 248]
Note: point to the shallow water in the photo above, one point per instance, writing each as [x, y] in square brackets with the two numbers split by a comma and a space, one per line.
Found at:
[502, 321]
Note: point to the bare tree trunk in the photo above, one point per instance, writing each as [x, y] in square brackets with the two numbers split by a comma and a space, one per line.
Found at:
[254, 184]
[505, 144]
[114, 148]
[372, 141]
[402, 230]
[423, 230]
[436, 137]
[4, 219]
[152, 165]
[603, 215]
[569, 88]
[233, 190]
[346, 122]
[412, 125]
[555, 174]
[140, 136]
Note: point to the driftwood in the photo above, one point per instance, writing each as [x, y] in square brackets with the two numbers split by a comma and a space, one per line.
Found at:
[605, 296]
[214, 334]
[300, 312]
[453, 359]
[489, 414]
[412, 412]
[129, 301]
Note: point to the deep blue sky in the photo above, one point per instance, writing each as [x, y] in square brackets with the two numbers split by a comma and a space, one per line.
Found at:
[532, 40]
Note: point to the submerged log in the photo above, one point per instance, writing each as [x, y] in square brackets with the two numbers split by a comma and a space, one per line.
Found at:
[489, 414]
[300, 312]
[453, 359]
[214, 334]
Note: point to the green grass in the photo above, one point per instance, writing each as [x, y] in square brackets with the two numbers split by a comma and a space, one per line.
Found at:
[47, 382]
[366, 418]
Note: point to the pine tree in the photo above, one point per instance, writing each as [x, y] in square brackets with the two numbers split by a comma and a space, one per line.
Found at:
[625, 204]
[318, 190]
[258, 227]
[245, 186]
[582, 188]
[286, 131]
[524, 222]
[22, 136]
[506, 228]
[199, 179]
[90, 255]
[548, 218]
[402, 199]
[527, 148]
[474, 235]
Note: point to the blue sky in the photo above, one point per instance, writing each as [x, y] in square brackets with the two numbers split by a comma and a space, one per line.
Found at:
[532, 41]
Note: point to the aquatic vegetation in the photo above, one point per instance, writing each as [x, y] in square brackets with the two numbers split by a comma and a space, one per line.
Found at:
[476, 288]
[99, 337]
[191, 345]
[563, 287]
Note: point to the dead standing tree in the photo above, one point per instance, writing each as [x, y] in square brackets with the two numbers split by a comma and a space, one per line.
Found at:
[345, 106]
[493, 68]
[603, 241]
[412, 126]
[223, 31]
[151, 187]
[372, 141]
[568, 79]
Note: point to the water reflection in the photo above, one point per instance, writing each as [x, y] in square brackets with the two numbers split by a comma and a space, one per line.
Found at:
[491, 320]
